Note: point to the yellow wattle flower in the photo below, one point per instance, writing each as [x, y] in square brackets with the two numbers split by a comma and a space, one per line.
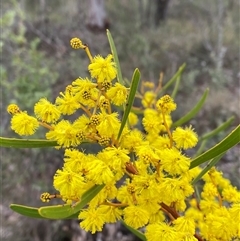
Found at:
[23, 124]
[103, 69]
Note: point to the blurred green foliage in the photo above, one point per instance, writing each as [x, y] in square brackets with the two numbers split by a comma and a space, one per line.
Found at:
[27, 72]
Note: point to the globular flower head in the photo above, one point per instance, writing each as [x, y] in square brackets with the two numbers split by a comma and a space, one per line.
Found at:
[133, 119]
[166, 104]
[132, 140]
[219, 225]
[13, 109]
[67, 182]
[65, 134]
[103, 69]
[185, 224]
[117, 94]
[67, 102]
[111, 214]
[93, 219]
[135, 216]
[46, 111]
[23, 124]
[104, 103]
[76, 43]
[161, 231]
[149, 99]
[74, 160]
[175, 190]
[109, 124]
[85, 91]
[99, 172]
[185, 138]
[173, 162]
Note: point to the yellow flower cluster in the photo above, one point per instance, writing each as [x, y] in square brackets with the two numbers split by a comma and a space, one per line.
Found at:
[156, 190]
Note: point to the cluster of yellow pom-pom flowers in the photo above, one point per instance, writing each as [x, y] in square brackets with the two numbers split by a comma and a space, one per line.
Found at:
[146, 173]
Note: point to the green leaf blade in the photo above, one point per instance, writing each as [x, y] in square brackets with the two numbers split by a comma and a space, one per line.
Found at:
[26, 211]
[115, 57]
[171, 81]
[212, 163]
[193, 111]
[26, 143]
[56, 211]
[176, 87]
[67, 211]
[228, 142]
[133, 89]
[135, 232]
[217, 130]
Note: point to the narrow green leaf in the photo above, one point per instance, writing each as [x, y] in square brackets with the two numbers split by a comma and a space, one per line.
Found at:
[57, 211]
[176, 87]
[131, 96]
[171, 81]
[201, 148]
[193, 111]
[26, 211]
[217, 130]
[73, 216]
[212, 163]
[135, 232]
[90, 194]
[203, 140]
[67, 211]
[197, 193]
[115, 57]
[26, 143]
[228, 142]
[33, 212]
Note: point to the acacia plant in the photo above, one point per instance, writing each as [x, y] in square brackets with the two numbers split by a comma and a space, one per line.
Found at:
[141, 174]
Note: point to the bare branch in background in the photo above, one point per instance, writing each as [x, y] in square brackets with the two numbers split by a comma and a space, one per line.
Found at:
[97, 17]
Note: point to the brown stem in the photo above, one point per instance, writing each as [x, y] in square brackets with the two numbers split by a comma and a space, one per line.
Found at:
[170, 210]
[172, 213]
[197, 236]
